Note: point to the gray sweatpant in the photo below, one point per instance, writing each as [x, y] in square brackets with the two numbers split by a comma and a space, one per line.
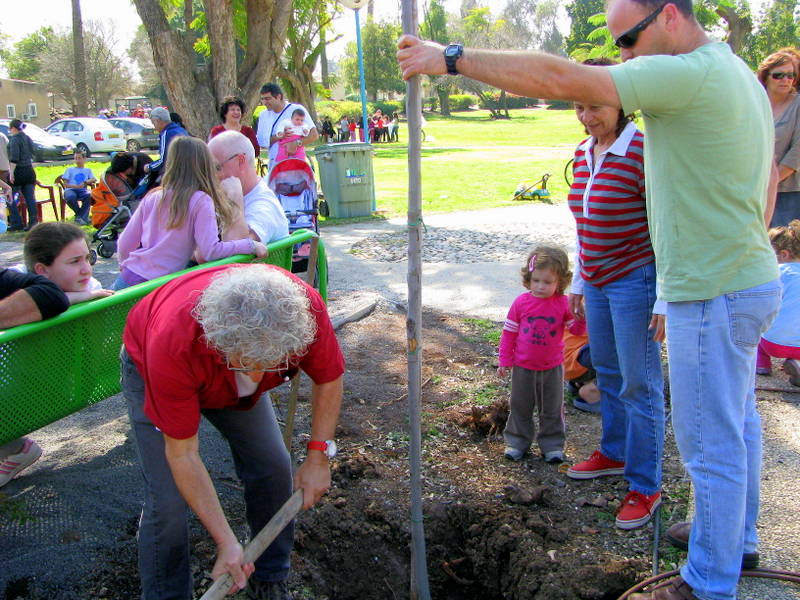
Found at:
[543, 390]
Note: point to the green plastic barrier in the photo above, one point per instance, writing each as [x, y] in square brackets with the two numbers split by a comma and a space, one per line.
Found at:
[53, 368]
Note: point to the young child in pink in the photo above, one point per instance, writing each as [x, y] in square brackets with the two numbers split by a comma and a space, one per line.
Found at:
[532, 348]
[782, 339]
[292, 130]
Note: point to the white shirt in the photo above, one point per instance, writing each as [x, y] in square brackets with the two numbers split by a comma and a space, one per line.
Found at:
[264, 214]
[268, 125]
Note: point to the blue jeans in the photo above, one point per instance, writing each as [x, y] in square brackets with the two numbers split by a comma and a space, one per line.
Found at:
[80, 201]
[629, 375]
[712, 356]
[25, 193]
[787, 207]
[262, 463]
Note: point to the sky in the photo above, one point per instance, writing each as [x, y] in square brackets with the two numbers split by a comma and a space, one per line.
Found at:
[122, 15]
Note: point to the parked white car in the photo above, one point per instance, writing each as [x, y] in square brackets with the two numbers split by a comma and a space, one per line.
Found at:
[89, 134]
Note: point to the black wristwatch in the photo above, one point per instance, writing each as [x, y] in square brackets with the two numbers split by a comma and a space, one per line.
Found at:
[451, 54]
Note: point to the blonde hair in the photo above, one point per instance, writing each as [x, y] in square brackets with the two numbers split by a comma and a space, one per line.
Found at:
[547, 257]
[786, 237]
[191, 168]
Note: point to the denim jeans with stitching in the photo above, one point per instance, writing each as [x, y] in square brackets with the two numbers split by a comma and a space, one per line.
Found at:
[262, 464]
[629, 375]
[712, 355]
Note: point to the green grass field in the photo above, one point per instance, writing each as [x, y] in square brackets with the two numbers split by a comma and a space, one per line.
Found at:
[469, 161]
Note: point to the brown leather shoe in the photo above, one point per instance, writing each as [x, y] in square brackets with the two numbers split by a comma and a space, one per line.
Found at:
[675, 589]
[678, 536]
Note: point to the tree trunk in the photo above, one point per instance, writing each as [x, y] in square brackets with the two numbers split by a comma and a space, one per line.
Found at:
[443, 91]
[738, 27]
[504, 103]
[370, 10]
[80, 107]
[323, 60]
[195, 91]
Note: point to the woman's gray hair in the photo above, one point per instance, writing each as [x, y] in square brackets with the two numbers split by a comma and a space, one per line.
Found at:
[256, 315]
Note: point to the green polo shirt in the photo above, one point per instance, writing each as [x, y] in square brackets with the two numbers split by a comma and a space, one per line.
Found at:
[708, 152]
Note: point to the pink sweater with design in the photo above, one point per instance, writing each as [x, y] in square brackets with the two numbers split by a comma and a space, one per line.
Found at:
[533, 334]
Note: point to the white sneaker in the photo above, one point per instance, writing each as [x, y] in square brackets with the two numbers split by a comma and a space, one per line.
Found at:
[513, 454]
[12, 464]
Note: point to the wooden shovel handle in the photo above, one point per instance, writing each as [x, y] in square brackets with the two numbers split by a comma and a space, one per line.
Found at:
[258, 544]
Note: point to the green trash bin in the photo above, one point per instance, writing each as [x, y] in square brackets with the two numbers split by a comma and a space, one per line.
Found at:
[345, 171]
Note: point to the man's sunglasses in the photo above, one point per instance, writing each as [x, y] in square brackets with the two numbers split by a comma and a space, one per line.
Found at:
[630, 37]
[779, 76]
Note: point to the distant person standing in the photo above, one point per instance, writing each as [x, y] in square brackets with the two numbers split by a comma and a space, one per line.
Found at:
[230, 112]
[167, 132]
[278, 110]
[778, 74]
[22, 176]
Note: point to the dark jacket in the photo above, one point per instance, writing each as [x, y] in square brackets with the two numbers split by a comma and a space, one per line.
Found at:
[170, 132]
[21, 150]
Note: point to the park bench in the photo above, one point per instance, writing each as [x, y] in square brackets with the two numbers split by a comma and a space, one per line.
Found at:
[53, 368]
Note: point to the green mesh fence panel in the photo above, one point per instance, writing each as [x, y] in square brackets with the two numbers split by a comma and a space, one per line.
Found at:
[53, 368]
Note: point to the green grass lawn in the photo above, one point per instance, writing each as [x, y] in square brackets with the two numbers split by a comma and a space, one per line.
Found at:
[469, 161]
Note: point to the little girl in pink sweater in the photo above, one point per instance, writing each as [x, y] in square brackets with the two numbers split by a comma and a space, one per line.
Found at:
[532, 348]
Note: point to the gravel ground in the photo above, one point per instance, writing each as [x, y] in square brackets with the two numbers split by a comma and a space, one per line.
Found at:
[471, 268]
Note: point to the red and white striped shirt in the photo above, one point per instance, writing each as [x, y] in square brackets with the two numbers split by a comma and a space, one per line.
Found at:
[608, 203]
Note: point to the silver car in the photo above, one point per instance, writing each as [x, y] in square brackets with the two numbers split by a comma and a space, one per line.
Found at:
[139, 133]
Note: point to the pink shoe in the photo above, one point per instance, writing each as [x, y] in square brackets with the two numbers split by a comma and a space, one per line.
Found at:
[12, 464]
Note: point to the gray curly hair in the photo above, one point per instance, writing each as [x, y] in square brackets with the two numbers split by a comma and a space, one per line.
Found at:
[256, 315]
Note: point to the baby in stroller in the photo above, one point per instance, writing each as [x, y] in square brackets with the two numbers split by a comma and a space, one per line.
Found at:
[115, 198]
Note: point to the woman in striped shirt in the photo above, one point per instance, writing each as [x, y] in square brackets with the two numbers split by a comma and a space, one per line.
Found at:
[615, 282]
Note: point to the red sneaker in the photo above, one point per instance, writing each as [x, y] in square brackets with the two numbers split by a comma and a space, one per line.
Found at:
[597, 465]
[637, 509]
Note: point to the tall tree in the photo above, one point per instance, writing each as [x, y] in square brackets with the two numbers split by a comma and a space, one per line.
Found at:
[579, 12]
[23, 59]
[778, 27]
[381, 71]
[239, 64]
[434, 27]
[81, 104]
[730, 17]
[106, 74]
[532, 24]
[139, 52]
[306, 40]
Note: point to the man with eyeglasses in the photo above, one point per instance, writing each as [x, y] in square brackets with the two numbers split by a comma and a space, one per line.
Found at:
[209, 344]
[264, 217]
[710, 188]
[278, 109]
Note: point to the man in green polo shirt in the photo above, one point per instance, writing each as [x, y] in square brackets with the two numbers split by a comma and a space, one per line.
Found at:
[710, 183]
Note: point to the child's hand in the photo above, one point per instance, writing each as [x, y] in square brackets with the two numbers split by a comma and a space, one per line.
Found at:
[77, 297]
[233, 190]
[502, 372]
[261, 251]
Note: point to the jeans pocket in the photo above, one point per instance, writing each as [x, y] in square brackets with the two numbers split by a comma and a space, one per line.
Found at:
[751, 313]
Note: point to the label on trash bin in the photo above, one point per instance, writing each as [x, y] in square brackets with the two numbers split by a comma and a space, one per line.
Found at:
[354, 177]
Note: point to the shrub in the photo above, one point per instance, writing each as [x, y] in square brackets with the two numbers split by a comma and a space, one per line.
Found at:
[335, 110]
[513, 101]
[387, 107]
[559, 105]
[462, 101]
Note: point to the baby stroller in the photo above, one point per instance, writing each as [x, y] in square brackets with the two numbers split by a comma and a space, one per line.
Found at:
[293, 182]
[113, 203]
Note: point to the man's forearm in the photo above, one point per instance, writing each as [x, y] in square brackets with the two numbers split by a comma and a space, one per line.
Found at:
[326, 401]
[538, 75]
[313, 136]
[17, 309]
[194, 484]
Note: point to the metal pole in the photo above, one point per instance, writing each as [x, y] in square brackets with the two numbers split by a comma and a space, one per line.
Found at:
[419, 567]
[361, 78]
